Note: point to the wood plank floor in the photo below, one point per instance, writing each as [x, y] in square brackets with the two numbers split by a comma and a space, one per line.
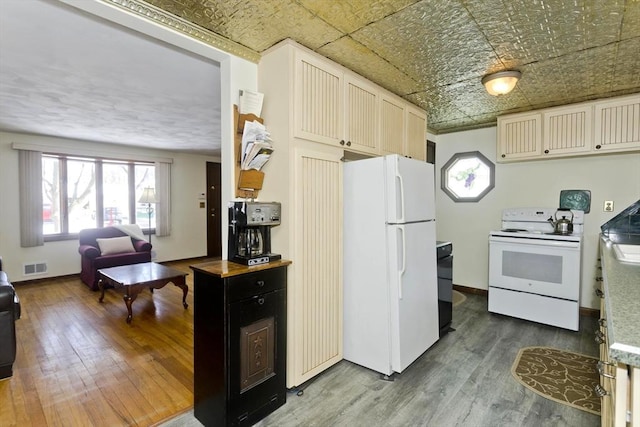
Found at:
[80, 364]
[463, 380]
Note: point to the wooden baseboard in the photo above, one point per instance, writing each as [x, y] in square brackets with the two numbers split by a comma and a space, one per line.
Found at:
[584, 311]
[470, 290]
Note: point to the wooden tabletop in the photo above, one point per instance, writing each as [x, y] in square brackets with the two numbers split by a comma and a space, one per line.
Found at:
[132, 274]
[225, 268]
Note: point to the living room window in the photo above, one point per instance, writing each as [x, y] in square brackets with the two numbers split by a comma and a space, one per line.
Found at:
[82, 192]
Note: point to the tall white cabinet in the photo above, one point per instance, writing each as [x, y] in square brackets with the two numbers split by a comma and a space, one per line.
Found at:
[316, 110]
[303, 108]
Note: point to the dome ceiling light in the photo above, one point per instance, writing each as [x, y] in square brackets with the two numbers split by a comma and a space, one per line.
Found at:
[502, 82]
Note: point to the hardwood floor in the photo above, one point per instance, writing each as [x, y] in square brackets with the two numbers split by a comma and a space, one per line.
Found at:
[80, 364]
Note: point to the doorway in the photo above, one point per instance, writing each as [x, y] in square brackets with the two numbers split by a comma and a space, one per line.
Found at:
[214, 217]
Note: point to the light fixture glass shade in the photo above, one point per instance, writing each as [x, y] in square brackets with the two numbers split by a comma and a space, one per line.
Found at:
[501, 83]
[148, 196]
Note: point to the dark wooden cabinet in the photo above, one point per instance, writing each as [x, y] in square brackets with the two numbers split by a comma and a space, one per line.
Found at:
[239, 342]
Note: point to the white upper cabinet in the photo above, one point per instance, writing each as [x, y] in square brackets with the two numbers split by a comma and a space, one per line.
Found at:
[567, 130]
[416, 140]
[361, 115]
[392, 125]
[617, 124]
[319, 100]
[588, 128]
[519, 136]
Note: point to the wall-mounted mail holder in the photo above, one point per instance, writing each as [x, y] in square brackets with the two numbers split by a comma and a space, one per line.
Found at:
[249, 182]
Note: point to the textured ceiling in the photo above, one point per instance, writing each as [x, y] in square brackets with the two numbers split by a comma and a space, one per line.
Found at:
[434, 53]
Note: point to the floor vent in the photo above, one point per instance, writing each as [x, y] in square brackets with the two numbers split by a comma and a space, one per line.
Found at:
[35, 268]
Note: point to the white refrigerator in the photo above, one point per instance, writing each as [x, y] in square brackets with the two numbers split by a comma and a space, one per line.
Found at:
[390, 276]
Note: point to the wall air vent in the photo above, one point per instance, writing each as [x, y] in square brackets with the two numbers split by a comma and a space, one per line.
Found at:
[34, 268]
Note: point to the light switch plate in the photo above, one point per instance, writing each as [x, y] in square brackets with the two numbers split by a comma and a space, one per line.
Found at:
[608, 206]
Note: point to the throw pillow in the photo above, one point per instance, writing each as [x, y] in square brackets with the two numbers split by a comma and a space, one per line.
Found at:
[115, 245]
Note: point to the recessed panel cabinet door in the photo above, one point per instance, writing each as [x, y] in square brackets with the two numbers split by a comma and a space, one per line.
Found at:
[361, 116]
[315, 287]
[319, 100]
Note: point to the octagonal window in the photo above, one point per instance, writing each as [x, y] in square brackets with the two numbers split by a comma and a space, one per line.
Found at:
[467, 177]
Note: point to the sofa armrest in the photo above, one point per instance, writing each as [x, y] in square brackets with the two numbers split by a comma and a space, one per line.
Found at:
[141, 245]
[89, 251]
[7, 296]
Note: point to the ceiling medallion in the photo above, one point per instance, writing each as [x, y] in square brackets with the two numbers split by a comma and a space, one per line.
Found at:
[502, 82]
[165, 19]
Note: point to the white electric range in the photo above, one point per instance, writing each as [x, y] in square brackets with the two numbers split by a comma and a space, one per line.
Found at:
[535, 273]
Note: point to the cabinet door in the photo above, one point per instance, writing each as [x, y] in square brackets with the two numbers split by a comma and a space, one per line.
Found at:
[519, 137]
[392, 125]
[567, 130]
[617, 124]
[416, 142]
[315, 281]
[361, 115]
[318, 109]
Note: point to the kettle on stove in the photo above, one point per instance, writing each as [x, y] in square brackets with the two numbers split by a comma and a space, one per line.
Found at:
[563, 225]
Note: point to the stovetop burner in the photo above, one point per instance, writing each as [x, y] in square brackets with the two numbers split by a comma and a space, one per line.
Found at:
[514, 230]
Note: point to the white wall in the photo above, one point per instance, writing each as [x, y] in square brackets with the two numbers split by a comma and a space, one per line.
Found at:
[534, 183]
[188, 237]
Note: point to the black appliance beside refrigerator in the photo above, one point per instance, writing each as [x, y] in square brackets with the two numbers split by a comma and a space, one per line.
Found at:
[444, 252]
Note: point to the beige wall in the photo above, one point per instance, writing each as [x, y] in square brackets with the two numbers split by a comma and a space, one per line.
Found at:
[188, 237]
[534, 183]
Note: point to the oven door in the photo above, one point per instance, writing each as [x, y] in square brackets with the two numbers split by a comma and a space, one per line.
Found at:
[538, 266]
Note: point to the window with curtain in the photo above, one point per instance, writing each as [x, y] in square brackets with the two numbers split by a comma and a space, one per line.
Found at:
[82, 192]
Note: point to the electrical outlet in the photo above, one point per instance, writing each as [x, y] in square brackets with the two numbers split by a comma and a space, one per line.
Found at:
[608, 206]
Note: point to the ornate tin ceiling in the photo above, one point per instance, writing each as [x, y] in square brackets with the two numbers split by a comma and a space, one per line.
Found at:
[434, 53]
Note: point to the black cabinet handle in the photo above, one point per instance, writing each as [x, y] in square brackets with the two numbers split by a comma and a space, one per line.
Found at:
[348, 143]
[260, 283]
[260, 301]
[546, 151]
[342, 142]
[598, 147]
[503, 156]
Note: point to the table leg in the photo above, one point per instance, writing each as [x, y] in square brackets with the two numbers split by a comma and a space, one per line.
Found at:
[101, 287]
[185, 289]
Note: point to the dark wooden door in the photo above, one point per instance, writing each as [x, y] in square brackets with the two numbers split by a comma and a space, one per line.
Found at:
[214, 219]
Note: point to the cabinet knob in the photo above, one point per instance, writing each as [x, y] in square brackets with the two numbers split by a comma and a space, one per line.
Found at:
[342, 142]
[260, 301]
[599, 293]
[260, 283]
[598, 147]
[503, 156]
[348, 143]
[546, 151]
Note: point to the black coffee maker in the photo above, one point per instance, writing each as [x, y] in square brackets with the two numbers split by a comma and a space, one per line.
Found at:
[250, 231]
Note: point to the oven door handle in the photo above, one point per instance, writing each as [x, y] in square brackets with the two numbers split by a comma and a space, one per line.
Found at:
[535, 242]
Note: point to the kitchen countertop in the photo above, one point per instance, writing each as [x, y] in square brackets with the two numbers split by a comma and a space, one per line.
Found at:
[622, 304]
[224, 268]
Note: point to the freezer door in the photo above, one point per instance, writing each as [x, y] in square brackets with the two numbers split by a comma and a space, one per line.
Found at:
[410, 194]
[413, 291]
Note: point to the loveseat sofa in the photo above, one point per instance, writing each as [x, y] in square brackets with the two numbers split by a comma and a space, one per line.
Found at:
[9, 313]
[110, 247]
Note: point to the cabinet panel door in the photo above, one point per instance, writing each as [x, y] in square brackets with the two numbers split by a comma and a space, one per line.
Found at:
[416, 142]
[392, 126]
[568, 130]
[617, 124]
[361, 116]
[315, 286]
[519, 137]
[318, 100]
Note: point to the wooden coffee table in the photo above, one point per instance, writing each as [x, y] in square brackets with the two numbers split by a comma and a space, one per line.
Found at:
[136, 277]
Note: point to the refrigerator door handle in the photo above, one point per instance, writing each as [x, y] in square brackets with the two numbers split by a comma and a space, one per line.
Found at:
[403, 263]
[400, 200]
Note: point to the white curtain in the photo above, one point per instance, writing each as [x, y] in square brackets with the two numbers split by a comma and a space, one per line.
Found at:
[163, 196]
[30, 182]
